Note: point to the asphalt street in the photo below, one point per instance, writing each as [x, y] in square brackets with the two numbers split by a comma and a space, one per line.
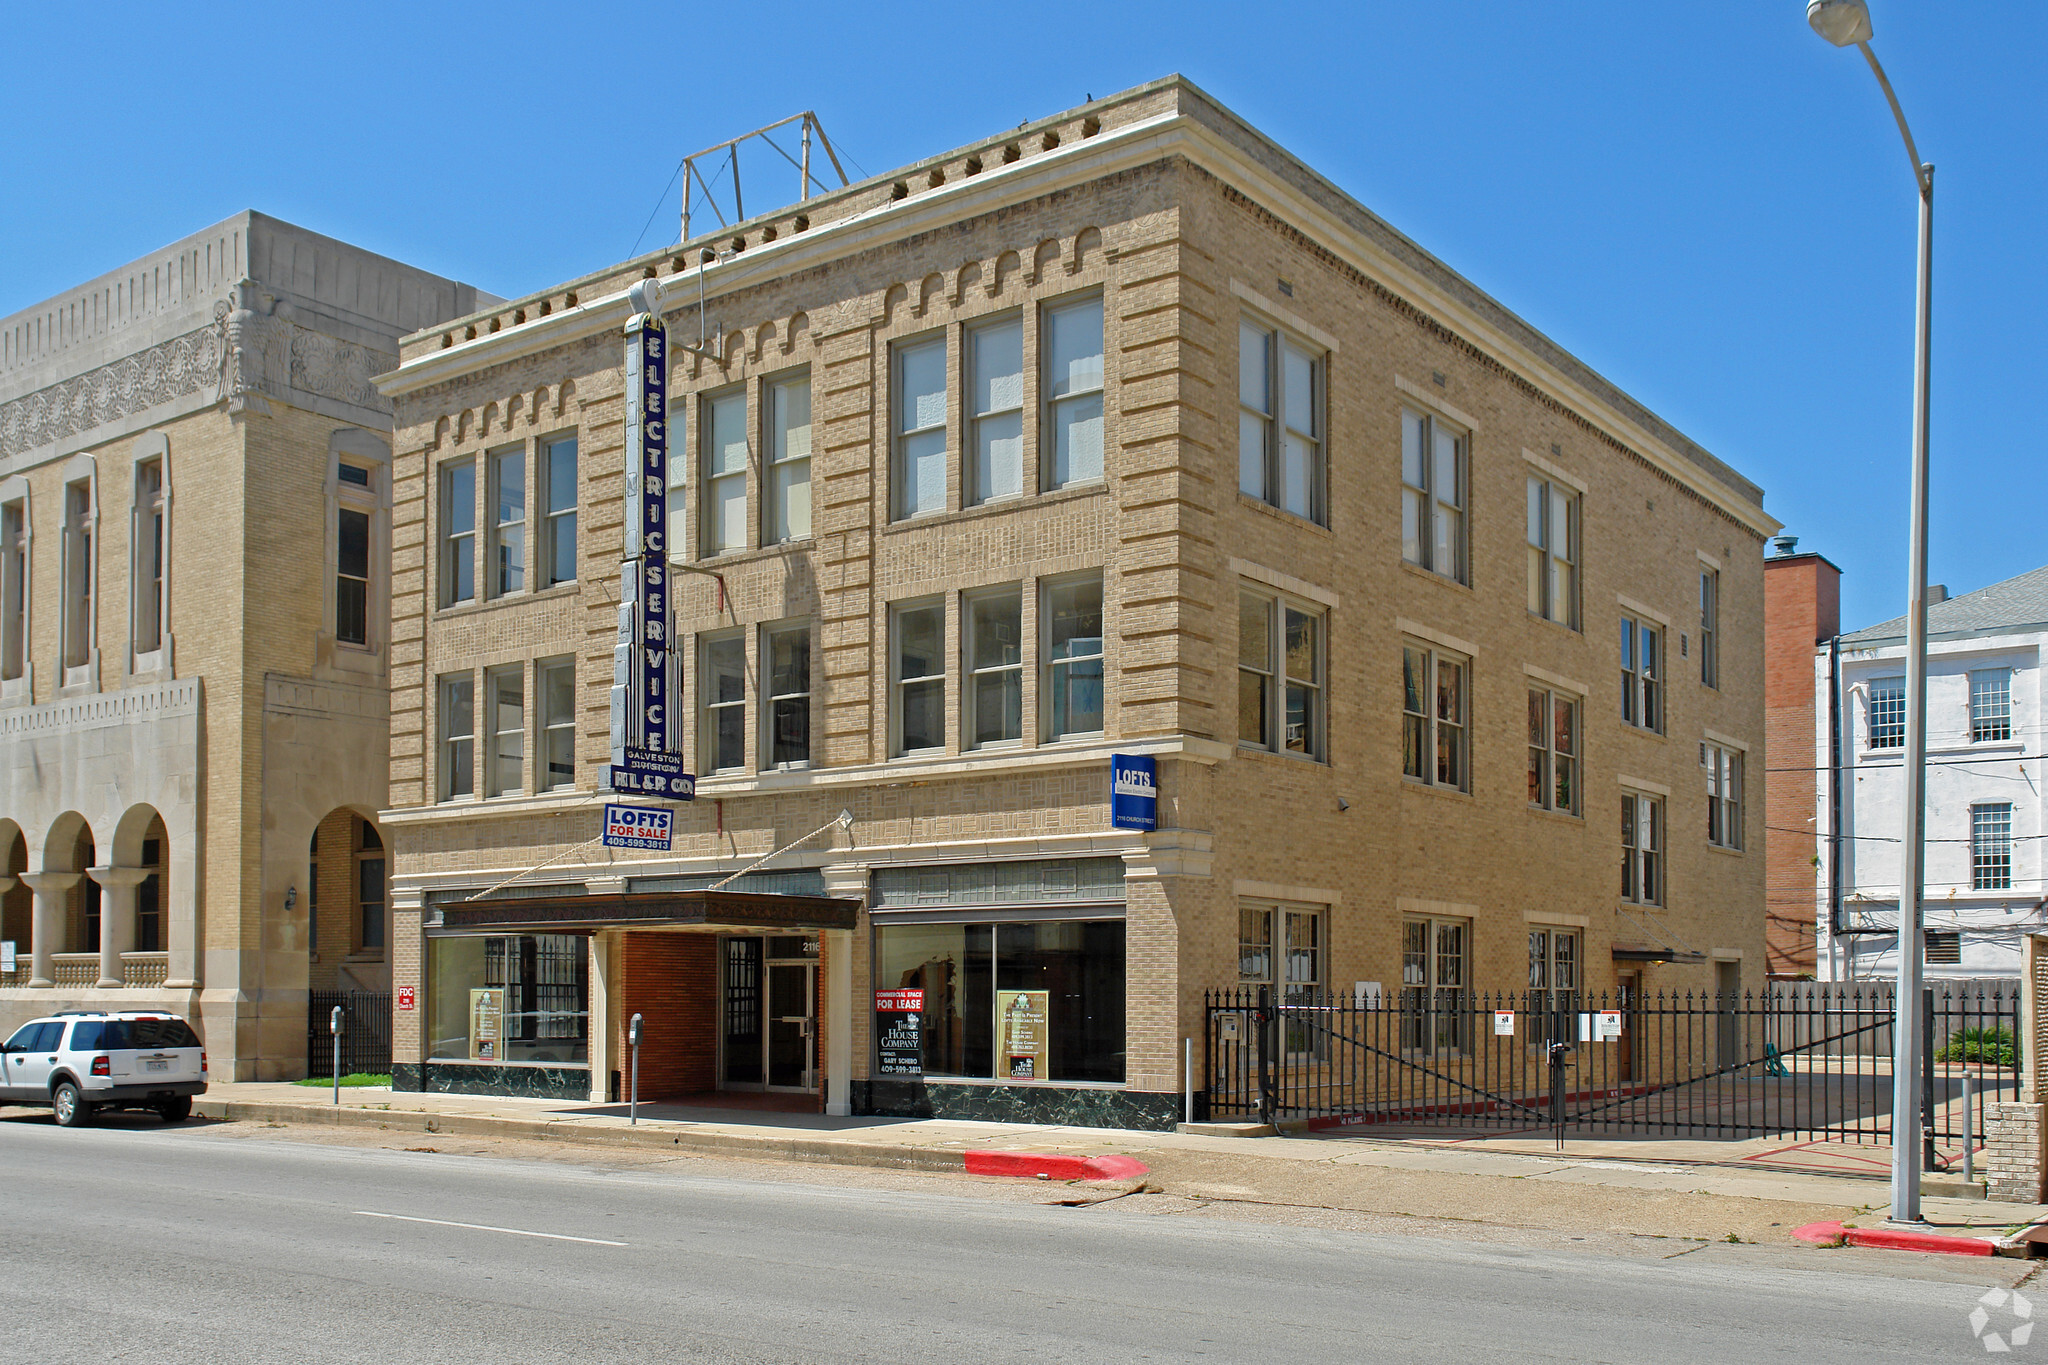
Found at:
[169, 1245]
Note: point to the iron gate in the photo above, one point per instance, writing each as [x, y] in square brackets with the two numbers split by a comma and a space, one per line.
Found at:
[1808, 1061]
[365, 1033]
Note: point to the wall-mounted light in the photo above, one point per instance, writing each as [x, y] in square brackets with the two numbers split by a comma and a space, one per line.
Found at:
[291, 896]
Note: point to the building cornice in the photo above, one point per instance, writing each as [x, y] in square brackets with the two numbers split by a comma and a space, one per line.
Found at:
[1434, 289]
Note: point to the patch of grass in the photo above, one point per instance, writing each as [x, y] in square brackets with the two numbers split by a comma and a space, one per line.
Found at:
[360, 1078]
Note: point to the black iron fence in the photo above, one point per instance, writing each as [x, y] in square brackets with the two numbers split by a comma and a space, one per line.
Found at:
[365, 1033]
[1812, 1061]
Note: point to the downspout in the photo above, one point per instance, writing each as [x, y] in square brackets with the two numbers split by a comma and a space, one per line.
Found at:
[1836, 928]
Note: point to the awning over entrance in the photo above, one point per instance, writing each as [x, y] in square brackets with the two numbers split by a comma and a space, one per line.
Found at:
[740, 910]
[1657, 955]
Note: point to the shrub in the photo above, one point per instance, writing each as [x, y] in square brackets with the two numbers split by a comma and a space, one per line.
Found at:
[1991, 1046]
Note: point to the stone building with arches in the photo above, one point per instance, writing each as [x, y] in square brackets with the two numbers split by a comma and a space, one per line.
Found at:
[194, 633]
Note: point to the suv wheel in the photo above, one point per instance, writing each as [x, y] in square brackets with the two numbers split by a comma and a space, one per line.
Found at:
[175, 1111]
[70, 1106]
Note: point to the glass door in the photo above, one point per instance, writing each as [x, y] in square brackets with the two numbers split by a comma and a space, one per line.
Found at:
[792, 1045]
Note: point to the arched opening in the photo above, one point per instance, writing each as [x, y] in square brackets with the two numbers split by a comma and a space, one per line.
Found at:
[70, 847]
[16, 904]
[347, 904]
[142, 842]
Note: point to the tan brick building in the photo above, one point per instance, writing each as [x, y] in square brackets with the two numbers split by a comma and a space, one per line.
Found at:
[1121, 433]
[194, 632]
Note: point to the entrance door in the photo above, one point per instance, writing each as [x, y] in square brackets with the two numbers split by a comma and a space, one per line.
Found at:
[792, 1035]
[1627, 994]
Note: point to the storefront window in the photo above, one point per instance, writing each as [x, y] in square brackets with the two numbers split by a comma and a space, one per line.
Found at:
[1040, 1000]
[509, 998]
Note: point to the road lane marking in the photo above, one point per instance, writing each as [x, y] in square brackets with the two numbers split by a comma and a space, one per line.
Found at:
[486, 1227]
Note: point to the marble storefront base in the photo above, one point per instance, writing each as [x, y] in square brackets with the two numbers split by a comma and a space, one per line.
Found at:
[995, 1103]
[485, 1078]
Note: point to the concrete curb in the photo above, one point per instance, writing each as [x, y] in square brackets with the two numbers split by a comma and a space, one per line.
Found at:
[839, 1153]
[887, 1155]
[1892, 1239]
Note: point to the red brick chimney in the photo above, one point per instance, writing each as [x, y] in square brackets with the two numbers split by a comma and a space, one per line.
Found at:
[1802, 610]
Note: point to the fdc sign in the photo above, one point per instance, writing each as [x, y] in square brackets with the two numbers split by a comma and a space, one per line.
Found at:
[638, 827]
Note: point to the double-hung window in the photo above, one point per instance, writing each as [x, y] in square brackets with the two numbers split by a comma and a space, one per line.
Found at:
[507, 558]
[78, 575]
[369, 857]
[995, 666]
[505, 770]
[458, 532]
[1642, 674]
[1642, 848]
[1724, 794]
[354, 504]
[1436, 969]
[1710, 627]
[1991, 846]
[787, 652]
[1991, 706]
[1553, 751]
[1434, 461]
[1280, 662]
[148, 571]
[1072, 392]
[1280, 420]
[1554, 960]
[1281, 945]
[1435, 730]
[14, 589]
[458, 736]
[918, 667]
[1553, 534]
[1887, 713]
[558, 511]
[723, 429]
[1073, 647]
[788, 404]
[995, 401]
[555, 681]
[724, 689]
[919, 469]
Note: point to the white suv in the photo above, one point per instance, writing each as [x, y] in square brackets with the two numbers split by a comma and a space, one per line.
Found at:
[82, 1061]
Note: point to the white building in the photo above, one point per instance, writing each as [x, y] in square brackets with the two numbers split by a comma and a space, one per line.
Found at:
[1984, 876]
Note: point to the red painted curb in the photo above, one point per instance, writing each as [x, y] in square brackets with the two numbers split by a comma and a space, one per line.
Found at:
[1890, 1239]
[1031, 1165]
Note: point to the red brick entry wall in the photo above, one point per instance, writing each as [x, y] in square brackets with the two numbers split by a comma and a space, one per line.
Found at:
[671, 981]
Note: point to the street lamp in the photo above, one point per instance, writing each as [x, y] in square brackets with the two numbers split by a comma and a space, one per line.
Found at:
[1846, 22]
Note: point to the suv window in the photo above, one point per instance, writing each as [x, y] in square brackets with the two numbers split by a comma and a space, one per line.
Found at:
[148, 1033]
[24, 1038]
[85, 1036]
[47, 1036]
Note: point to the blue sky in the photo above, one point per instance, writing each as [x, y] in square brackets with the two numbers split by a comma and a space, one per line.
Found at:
[1704, 201]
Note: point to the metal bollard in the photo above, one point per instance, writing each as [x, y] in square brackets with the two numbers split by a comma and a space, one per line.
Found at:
[633, 1102]
[334, 1027]
[1187, 1077]
[1969, 1126]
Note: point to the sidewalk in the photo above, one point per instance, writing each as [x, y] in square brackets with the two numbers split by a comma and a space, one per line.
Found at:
[1648, 1187]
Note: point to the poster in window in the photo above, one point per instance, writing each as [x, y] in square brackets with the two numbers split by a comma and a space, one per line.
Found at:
[1021, 1033]
[486, 1022]
[899, 1033]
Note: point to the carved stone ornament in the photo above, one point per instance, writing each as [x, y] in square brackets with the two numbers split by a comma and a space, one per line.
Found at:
[253, 351]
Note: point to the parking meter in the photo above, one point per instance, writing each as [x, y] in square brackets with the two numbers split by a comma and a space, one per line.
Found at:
[334, 1027]
[633, 1101]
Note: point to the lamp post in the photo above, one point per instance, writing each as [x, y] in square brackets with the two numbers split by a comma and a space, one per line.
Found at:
[1846, 23]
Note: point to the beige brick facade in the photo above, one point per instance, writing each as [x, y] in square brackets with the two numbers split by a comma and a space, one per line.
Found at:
[1185, 222]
